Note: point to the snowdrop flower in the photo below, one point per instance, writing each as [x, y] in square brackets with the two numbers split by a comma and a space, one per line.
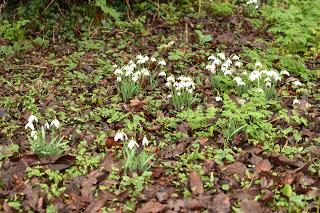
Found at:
[169, 96]
[238, 64]
[145, 141]
[120, 136]
[34, 134]
[268, 84]
[235, 57]
[239, 81]
[297, 83]
[228, 62]
[29, 125]
[119, 79]
[254, 75]
[227, 72]
[32, 118]
[212, 57]
[222, 56]
[153, 59]
[267, 79]
[162, 74]
[115, 66]
[258, 64]
[145, 72]
[295, 101]
[55, 123]
[260, 90]
[211, 68]
[118, 72]
[46, 125]
[139, 57]
[217, 61]
[135, 78]
[178, 93]
[162, 62]
[285, 72]
[168, 84]
[132, 143]
[171, 79]
[218, 98]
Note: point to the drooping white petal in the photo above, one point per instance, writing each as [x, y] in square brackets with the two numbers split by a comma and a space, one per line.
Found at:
[55, 123]
[120, 136]
[145, 141]
[29, 125]
[32, 118]
[132, 143]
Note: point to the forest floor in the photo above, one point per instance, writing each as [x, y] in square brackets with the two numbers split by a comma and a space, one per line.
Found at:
[231, 147]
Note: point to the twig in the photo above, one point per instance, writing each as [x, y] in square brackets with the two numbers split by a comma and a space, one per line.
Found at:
[186, 32]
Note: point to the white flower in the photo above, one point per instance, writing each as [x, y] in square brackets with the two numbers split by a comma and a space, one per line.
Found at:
[295, 101]
[267, 79]
[119, 79]
[212, 57]
[285, 72]
[120, 136]
[115, 66]
[132, 143]
[162, 74]
[235, 57]
[227, 72]
[211, 68]
[258, 64]
[169, 96]
[29, 125]
[222, 56]
[239, 81]
[218, 98]
[46, 125]
[34, 134]
[55, 123]
[139, 57]
[254, 75]
[190, 91]
[32, 118]
[171, 79]
[217, 61]
[162, 62]
[178, 93]
[145, 141]
[168, 84]
[227, 63]
[135, 78]
[238, 64]
[153, 59]
[268, 84]
[260, 90]
[145, 72]
[297, 83]
[118, 71]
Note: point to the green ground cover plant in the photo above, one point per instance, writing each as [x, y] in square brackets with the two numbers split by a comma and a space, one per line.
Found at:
[159, 106]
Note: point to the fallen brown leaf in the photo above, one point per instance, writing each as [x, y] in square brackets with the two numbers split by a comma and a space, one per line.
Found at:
[196, 185]
[152, 207]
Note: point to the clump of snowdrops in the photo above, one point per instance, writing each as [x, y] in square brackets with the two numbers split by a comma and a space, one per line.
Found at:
[133, 159]
[141, 71]
[42, 143]
[181, 91]
[224, 69]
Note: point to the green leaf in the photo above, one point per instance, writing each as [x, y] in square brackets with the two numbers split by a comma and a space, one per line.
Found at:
[287, 190]
[225, 187]
[108, 10]
[203, 38]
